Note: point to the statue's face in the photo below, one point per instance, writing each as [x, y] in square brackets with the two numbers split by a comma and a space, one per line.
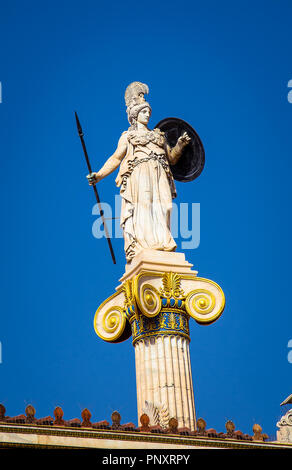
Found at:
[144, 115]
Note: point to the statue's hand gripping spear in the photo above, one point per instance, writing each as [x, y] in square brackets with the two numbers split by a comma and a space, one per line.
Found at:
[80, 133]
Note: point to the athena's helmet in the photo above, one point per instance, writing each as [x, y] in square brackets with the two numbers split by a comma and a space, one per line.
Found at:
[135, 101]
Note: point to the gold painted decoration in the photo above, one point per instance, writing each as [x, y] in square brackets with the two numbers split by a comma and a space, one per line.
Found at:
[155, 303]
[147, 296]
[130, 302]
[171, 285]
[166, 323]
[127, 288]
[112, 324]
[110, 319]
[150, 302]
[206, 303]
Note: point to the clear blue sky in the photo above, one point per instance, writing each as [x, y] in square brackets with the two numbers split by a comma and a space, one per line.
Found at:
[224, 68]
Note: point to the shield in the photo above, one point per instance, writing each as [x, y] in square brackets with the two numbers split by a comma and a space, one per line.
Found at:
[192, 160]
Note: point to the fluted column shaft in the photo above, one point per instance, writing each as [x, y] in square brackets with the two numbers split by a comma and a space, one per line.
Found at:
[163, 374]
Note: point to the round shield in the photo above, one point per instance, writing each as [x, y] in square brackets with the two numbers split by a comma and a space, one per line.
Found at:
[192, 160]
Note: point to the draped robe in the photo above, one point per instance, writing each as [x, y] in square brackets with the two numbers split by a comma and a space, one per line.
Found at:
[147, 189]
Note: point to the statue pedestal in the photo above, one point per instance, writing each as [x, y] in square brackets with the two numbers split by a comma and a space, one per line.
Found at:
[157, 296]
[160, 261]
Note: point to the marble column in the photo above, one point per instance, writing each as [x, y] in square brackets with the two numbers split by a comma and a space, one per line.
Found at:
[158, 295]
[163, 368]
[164, 377]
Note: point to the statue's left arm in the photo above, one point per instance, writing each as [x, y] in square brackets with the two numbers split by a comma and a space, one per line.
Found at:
[174, 153]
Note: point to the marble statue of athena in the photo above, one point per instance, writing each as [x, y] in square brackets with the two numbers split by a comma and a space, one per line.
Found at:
[159, 292]
[145, 179]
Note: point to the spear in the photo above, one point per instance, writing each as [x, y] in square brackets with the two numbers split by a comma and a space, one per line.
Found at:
[80, 133]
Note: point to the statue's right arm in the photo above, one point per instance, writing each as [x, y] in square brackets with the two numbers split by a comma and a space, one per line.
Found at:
[112, 163]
